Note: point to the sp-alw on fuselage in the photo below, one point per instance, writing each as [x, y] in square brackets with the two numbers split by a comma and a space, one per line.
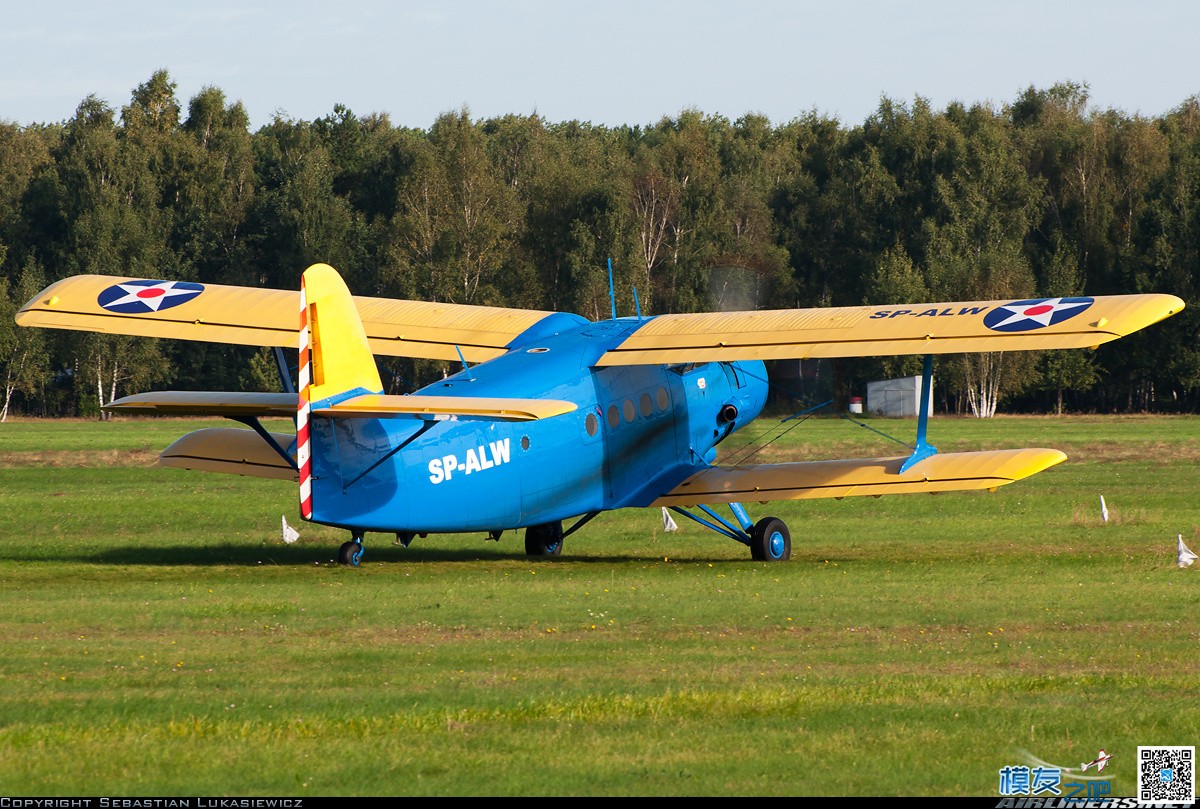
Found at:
[561, 418]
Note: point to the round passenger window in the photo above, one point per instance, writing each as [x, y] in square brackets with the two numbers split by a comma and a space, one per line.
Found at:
[645, 405]
[591, 424]
[663, 400]
[630, 410]
[614, 416]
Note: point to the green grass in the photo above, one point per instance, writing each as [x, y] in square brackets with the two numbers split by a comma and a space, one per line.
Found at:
[156, 638]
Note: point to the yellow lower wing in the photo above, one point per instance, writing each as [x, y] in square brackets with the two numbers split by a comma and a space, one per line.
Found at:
[268, 317]
[952, 471]
[873, 331]
[230, 450]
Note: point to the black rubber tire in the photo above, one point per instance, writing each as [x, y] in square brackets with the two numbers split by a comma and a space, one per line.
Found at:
[350, 554]
[544, 540]
[770, 541]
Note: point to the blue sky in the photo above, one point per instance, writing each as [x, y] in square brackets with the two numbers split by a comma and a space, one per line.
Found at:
[605, 61]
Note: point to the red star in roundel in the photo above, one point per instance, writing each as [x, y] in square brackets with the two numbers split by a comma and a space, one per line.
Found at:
[1034, 314]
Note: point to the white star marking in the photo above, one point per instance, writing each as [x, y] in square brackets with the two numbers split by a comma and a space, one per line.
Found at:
[137, 294]
[1040, 313]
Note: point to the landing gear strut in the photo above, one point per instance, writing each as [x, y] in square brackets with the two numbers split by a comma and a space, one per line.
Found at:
[768, 539]
[351, 552]
[544, 540]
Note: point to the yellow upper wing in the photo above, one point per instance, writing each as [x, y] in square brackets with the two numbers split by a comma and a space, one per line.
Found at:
[268, 317]
[866, 331]
[951, 471]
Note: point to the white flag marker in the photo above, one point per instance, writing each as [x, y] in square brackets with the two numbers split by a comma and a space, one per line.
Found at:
[288, 534]
[1186, 557]
[1103, 509]
[668, 523]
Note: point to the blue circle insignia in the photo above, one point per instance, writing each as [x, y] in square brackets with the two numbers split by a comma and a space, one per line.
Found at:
[140, 297]
[1037, 313]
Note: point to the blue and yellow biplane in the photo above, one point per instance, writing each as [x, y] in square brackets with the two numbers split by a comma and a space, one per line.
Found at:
[560, 418]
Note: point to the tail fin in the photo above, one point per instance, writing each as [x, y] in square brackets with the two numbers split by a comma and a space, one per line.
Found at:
[340, 356]
[335, 359]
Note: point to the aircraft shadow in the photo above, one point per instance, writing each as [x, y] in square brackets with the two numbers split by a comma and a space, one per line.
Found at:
[311, 555]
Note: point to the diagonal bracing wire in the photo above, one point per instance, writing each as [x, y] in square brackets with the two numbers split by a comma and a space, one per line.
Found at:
[799, 418]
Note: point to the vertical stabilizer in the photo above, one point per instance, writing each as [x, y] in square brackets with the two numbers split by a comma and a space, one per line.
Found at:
[340, 356]
[335, 359]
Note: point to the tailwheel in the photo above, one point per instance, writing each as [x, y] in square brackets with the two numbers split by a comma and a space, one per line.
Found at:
[770, 540]
[544, 540]
[351, 553]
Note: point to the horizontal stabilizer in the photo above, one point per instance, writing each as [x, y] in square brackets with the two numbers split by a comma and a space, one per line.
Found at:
[383, 406]
[216, 313]
[207, 403]
[230, 450]
[951, 471]
[876, 331]
[265, 405]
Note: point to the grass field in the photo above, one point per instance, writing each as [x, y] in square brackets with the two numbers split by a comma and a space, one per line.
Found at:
[156, 637]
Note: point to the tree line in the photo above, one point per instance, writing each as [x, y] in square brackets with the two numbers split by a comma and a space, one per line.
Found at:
[1045, 196]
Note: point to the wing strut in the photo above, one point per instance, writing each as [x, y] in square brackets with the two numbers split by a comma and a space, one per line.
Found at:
[253, 422]
[285, 373]
[725, 527]
[922, 450]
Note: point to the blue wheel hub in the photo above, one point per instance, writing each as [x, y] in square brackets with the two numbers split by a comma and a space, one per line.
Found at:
[775, 544]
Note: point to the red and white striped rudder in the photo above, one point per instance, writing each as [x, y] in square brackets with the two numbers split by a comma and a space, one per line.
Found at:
[303, 443]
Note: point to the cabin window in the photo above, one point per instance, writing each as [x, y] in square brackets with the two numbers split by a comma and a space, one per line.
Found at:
[591, 424]
[645, 405]
[664, 401]
[614, 416]
[630, 410]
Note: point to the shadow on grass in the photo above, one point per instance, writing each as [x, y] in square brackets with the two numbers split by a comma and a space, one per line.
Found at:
[249, 556]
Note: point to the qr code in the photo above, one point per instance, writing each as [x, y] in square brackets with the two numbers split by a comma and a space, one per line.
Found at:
[1166, 774]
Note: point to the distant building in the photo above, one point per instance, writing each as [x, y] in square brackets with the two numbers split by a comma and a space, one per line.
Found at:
[900, 398]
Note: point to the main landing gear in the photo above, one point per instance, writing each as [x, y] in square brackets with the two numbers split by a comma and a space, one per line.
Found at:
[547, 538]
[544, 540]
[351, 553]
[768, 539]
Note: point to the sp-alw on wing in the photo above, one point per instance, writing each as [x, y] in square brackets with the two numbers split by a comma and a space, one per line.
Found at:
[560, 418]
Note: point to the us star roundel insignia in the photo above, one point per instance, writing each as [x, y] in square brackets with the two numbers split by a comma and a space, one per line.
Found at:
[1035, 314]
[140, 297]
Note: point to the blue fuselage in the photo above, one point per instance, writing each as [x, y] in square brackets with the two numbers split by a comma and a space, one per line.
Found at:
[637, 432]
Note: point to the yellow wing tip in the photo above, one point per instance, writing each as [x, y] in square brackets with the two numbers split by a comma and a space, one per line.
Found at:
[1034, 460]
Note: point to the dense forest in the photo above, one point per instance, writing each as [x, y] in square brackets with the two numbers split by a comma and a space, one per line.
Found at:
[1046, 196]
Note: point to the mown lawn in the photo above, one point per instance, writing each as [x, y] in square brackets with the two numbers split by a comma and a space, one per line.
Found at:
[157, 638]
